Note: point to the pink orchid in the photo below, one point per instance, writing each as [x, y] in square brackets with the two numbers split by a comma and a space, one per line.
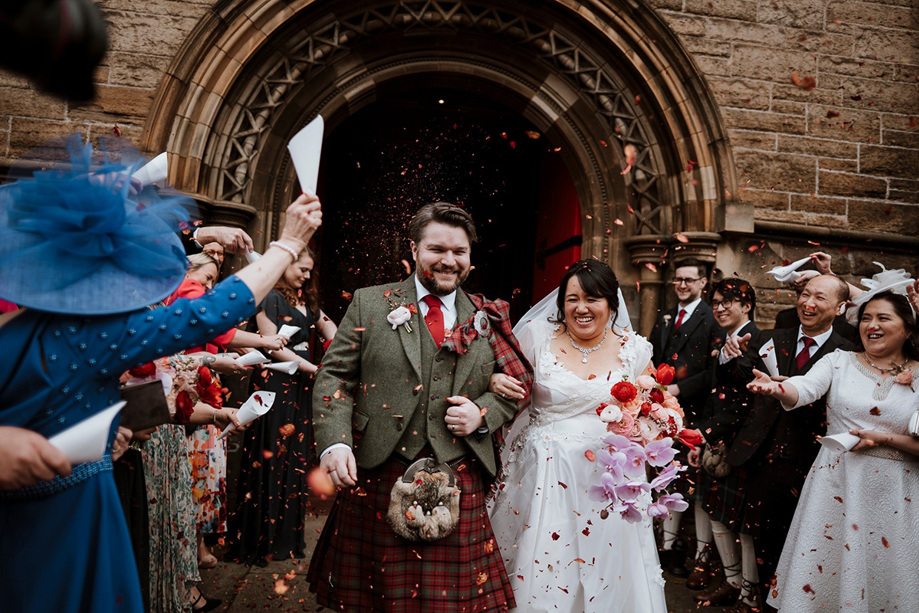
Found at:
[666, 476]
[630, 491]
[630, 513]
[604, 492]
[656, 510]
[617, 442]
[660, 453]
[674, 502]
[635, 459]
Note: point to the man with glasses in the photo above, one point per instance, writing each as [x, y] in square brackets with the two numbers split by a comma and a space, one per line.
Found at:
[687, 337]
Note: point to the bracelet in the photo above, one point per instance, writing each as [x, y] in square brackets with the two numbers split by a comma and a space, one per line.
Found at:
[214, 417]
[289, 250]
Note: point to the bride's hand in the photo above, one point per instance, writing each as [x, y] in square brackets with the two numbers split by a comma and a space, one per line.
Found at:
[506, 386]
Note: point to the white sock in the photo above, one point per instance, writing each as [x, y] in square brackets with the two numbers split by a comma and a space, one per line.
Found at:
[726, 543]
[750, 572]
[703, 529]
[671, 529]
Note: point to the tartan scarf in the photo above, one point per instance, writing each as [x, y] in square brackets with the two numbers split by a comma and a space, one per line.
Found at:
[493, 318]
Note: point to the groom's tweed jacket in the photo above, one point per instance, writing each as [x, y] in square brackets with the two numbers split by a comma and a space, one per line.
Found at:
[383, 391]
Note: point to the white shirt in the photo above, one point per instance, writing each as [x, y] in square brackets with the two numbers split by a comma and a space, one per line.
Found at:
[819, 340]
[448, 308]
[722, 359]
[689, 308]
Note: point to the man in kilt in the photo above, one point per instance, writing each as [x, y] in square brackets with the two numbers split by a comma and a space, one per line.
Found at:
[722, 495]
[406, 378]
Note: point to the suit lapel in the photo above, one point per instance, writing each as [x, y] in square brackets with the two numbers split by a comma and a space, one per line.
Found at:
[687, 328]
[829, 346]
[785, 344]
[411, 341]
[666, 328]
[464, 363]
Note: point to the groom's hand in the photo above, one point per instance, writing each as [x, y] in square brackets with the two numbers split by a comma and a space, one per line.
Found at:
[464, 417]
[340, 465]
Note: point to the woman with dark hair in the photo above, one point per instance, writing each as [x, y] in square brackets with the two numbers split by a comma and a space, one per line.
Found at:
[559, 554]
[272, 494]
[855, 533]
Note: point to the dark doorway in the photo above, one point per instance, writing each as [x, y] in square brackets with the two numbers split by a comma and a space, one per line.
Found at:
[423, 145]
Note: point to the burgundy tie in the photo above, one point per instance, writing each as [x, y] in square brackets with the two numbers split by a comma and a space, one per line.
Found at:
[679, 319]
[434, 318]
[805, 354]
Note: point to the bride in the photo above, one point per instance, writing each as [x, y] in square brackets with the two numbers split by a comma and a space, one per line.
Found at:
[559, 554]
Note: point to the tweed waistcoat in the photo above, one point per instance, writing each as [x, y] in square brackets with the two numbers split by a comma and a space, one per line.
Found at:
[427, 424]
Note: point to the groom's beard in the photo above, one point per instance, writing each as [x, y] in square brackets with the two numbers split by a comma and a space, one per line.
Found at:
[429, 282]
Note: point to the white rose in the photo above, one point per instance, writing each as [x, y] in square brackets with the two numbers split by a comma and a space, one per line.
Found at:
[398, 316]
[611, 414]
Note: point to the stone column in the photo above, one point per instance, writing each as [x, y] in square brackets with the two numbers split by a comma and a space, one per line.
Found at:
[647, 252]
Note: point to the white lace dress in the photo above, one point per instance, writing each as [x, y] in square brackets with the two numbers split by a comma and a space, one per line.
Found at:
[560, 555]
[854, 540]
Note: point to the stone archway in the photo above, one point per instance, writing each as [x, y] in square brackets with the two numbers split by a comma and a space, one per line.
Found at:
[593, 76]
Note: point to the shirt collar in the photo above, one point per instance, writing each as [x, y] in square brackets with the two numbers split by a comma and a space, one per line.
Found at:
[449, 301]
[819, 339]
[739, 328]
[689, 308]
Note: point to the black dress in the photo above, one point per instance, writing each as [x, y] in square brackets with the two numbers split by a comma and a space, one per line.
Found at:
[272, 493]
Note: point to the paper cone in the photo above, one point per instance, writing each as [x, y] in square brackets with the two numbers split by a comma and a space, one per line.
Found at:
[257, 405]
[253, 256]
[252, 358]
[86, 440]
[305, 148]
[288, 367]
[767, 353]
[288, 330]
[785, 274]
[154, 171]
[839, 442]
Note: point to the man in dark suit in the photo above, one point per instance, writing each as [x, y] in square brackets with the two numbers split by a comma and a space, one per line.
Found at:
[686, 338]
[775, 448]
[733, 303]
[406, 378]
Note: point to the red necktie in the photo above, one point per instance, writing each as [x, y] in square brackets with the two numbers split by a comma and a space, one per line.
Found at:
[434, 318]
[805, 354]
[679, 319]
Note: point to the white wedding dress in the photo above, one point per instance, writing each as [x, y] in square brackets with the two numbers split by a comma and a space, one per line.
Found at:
[560, 555]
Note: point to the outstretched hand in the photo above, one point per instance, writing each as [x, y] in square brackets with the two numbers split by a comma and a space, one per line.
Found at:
[736, 346]
[341, 466]
[762, 384]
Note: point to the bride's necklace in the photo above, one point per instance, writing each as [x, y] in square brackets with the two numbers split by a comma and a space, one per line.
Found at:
[895, 368]
[584, 351]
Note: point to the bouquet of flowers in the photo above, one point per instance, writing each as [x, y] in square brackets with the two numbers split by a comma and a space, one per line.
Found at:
[643, 420]
[184, 382]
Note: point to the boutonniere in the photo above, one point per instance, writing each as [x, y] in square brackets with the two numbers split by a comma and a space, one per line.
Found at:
[400, 313]
[667, 319]
[904, 376]
[481, 323]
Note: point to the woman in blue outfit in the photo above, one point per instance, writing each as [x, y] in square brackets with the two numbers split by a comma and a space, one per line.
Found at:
[85, 262]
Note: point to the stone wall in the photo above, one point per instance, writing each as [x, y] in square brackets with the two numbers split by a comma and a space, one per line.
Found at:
[821, 101]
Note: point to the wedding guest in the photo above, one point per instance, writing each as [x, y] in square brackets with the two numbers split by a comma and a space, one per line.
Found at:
[774, 447]
[272, 493]
[855, 531]
[85, 320]
[559, 554]
[686, 338]
[721, 486]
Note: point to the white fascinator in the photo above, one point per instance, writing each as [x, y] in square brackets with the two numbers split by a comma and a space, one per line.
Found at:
[895, 281]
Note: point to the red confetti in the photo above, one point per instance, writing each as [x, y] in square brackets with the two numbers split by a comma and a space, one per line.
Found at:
[885, 543]
[630, 153]
[806, 82]
[807, 588]
[590, 455]
[555, 536]
[116, 131]
[875, 411]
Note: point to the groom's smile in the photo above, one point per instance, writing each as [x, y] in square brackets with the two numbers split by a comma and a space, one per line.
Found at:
[442, 258]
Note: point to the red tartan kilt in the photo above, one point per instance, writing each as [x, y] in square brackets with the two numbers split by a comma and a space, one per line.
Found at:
[360, 564]
[724, 498]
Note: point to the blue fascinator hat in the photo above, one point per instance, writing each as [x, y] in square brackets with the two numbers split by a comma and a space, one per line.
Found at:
[71, 240]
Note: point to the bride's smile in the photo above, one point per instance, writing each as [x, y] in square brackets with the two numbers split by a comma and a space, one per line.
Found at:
[586, 317]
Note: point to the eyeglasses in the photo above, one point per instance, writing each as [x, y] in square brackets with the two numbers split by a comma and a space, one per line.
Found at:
[686, 280]
[723, 303]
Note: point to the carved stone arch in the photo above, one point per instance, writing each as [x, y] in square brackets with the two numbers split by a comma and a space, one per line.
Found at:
[593, 76]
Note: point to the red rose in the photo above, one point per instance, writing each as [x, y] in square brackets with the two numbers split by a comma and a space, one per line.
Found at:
[645, 408]
[624, 391]
[656, 395]
[665, 374]
[204, 376]
[143, 371]
[690, 438]
[184, 407]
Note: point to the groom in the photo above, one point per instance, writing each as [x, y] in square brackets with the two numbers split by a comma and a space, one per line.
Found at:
[394, 389]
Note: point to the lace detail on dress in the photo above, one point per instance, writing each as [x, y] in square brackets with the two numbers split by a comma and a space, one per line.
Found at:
[883, 386]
